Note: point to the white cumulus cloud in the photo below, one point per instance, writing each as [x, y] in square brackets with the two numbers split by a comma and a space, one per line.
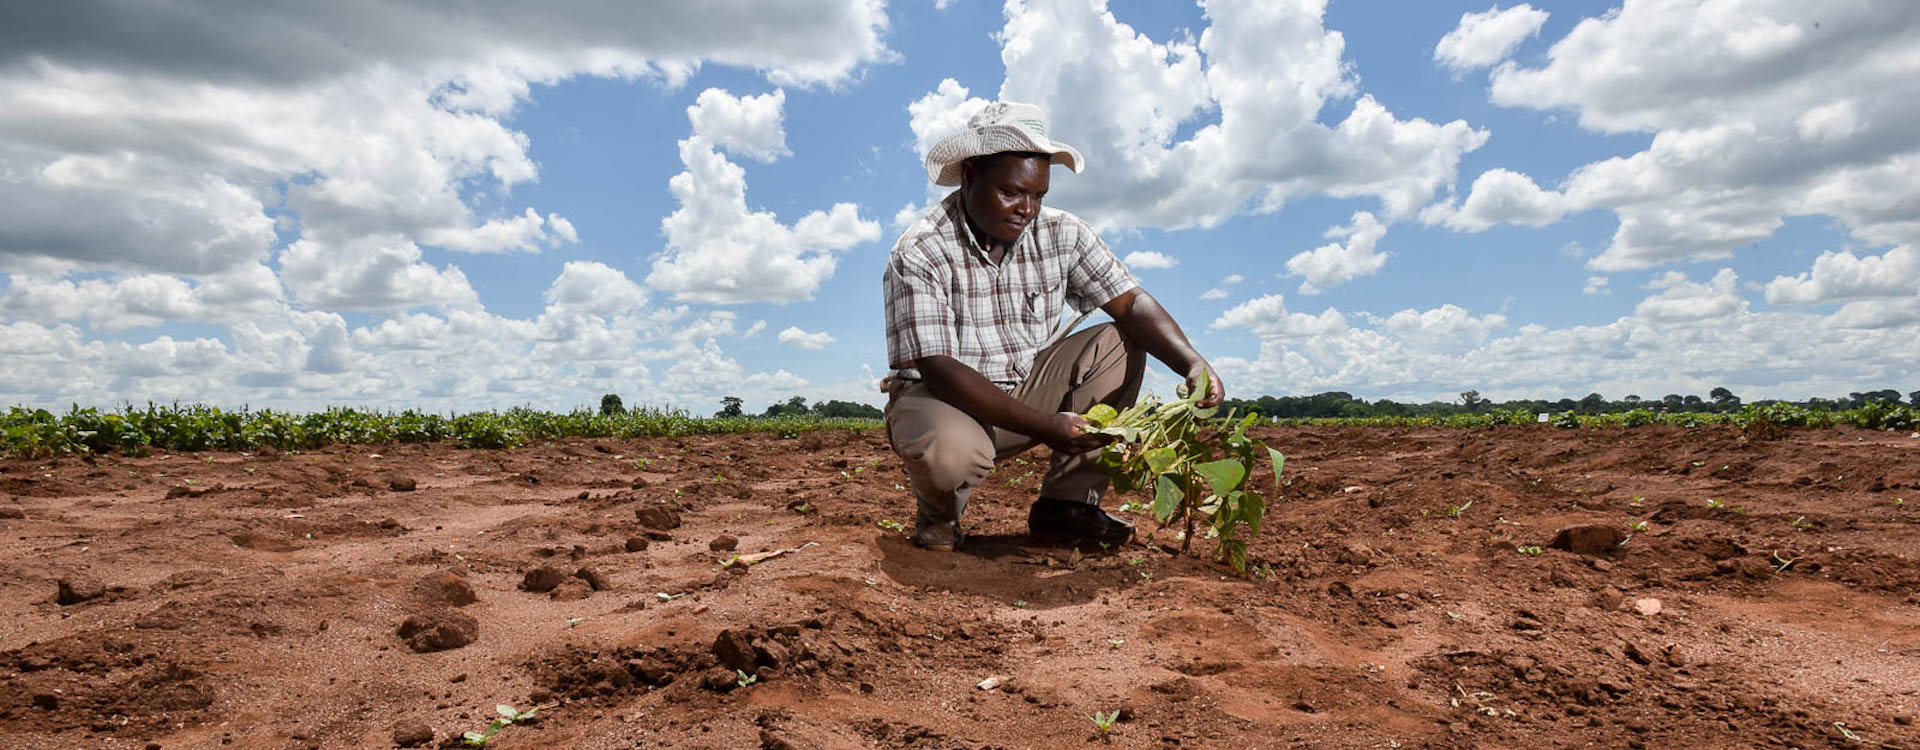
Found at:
[1149, 259]
[1337, 263]
[1485, 38]
[794, 336]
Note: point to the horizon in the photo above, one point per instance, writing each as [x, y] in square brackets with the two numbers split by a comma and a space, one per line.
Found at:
[296, 207]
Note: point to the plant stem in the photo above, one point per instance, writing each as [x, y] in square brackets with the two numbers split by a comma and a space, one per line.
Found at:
[1187, 504]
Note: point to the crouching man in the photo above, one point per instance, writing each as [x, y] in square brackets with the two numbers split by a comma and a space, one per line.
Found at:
[974, 293]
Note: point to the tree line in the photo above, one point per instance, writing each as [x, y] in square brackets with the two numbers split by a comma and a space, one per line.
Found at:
[1343, 404]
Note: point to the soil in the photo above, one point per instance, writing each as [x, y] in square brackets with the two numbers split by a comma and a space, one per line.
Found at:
[307, 600]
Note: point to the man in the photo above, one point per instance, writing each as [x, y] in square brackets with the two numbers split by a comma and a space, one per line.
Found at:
[974, 294]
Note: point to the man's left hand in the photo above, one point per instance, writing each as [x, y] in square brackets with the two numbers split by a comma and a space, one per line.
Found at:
[1217, 391]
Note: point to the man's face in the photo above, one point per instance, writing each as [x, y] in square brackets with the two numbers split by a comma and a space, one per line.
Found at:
[1002, 194]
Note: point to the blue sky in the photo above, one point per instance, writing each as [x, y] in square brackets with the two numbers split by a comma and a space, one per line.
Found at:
[1398, 200]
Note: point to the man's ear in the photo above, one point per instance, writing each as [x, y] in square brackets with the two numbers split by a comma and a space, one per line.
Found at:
[966, 173]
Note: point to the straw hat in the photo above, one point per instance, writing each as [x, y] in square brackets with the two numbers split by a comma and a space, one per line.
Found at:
[998, 128]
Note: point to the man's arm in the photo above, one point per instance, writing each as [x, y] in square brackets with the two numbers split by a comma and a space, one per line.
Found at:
[954, 382]
[1146, 324]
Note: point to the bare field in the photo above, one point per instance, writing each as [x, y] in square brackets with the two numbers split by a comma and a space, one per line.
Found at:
[1710, 592]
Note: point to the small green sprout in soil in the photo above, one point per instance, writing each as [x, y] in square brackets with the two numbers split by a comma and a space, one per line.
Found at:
[1780, 564]
[1800, 524]
[1103, 722]
[508, 716]
[1196, 466]
[890, 524]
[743, 679]
[1714, 503]
[1020, 604]
[1638, 526]
[1529, 549]
[1454, 511]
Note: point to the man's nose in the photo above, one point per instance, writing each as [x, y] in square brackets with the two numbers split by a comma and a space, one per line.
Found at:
[1027, 206]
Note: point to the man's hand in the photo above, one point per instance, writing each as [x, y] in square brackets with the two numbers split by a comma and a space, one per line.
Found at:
[1216, 391]
[1066, 433]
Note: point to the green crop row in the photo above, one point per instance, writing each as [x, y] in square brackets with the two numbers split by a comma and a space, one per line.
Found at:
[1754, 417]
[37, 433]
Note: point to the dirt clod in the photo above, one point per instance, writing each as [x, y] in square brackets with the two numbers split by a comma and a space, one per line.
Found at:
[594, 578]
[444, 587]
[1594, 540]
[542, 579]
[657, 517]
[12, 513]
[76, 590]
[734, 650]
[411, 733]
[572, 590]
[438, 631]
[720, 678]
[402, 484]
[723, 543]
[636, 544]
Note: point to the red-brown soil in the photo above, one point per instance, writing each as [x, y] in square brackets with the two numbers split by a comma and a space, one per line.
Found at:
[250, 601]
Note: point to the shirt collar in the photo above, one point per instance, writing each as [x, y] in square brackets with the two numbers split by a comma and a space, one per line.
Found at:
[958, 213]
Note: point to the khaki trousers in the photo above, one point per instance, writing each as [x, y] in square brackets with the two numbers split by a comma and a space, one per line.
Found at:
[948, 452]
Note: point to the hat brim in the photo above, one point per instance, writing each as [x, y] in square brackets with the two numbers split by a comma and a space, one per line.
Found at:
[945, 158]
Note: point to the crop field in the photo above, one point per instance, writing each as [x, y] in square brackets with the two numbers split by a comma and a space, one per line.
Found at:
[685, 584]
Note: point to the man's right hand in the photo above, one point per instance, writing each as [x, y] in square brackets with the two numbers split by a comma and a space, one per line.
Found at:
[1066, 432]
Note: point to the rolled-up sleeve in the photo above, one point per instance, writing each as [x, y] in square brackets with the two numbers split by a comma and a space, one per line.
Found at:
[1095, 276]
[919, 317]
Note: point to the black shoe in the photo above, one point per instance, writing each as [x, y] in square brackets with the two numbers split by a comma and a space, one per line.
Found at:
[1065, 520]
[939, 537]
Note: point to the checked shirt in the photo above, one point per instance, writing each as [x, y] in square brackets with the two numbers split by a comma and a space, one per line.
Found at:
[945, 297]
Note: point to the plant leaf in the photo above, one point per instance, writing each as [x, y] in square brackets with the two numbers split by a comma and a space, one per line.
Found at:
[1167, 497]
[1160, 460]
[1253, 507]
[1278, 461]
[506, 710]
[1223, 475]
[1102, 415]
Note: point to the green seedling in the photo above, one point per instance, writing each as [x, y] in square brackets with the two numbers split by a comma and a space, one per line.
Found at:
[1197, 466]
[666, 597]
[1714, 503]
[743, 679]
[1454, 511]
[1637, 500]
[1115, 643]
[1529, 549]
[574, 621]
[1780, 564]
[1800, 524]
[1103, 722]
[1638, 526]
[890, 524]
[508, 716]
[1020, 604]
[1851, 735]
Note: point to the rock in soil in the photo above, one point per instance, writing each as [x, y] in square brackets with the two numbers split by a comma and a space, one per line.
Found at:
[438, 631]
[723, 543]
[636, 543]
[412, 733]
[77, 590]
[734, 651]
[1595, 540]
[402, 484]
[657, 518]
[542, 579]
[12, 513]
[572, 591]
[444, 587]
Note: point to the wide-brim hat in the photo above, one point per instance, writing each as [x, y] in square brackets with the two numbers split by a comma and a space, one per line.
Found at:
[998, 128]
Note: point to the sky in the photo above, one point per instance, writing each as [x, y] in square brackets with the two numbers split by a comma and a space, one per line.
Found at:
[392, 205]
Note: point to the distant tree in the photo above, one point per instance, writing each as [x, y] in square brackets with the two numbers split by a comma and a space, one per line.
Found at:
[796, 406]
[1593, 403]
[1724, 399]
[1672, 400]
[1692, 402]
[729, 407]
[1914, 398]
[1632, 399]
[610, 405]
[1888, 395]
[1472, 400]
[846, 410]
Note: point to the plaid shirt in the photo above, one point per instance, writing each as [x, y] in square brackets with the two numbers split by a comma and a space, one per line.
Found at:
[944, 296]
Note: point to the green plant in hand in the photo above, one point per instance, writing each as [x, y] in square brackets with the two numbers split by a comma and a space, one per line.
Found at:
[1197, 466]
[508, 715]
